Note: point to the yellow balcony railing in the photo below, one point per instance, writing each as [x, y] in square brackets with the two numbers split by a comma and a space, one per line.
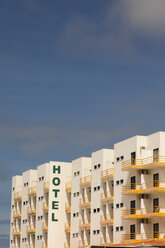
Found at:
[149, 162]
[45, 206]
[109, 173]
[106, 219]
[148, 187]
[139, 213]
[18, 195]
[85, 180]
[46, 186]
[85, 223]
[67, 227]
[31, 210]
[32, 190]
[67, 245]
[107, 196]
[68, 206]
[17, 213]
[143, 237]
[68, 186]
[44, 226]
[16, 231]
[106, 241]
[85, 202]
[84, 243]
[44, 245]
[31, 228]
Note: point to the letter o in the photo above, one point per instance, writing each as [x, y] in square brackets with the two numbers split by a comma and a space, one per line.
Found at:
[56, 181]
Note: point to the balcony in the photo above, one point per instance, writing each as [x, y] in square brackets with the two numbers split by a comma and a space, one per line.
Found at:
[146, 163]
[30, 245]
[107, 197]
[67, 227]
[31, 210]
[45, 206]
[106, 219]
[46, 186]
[31, 228]
[140, 213]
[68, 186]
[44, 226]
[67, 245]
[16, 231]
[84, 181]
[107, 174]
[18, 195]
[149, 237]
[85, 202]
[84, 223]
[68, 206]
[44, 245]
[84, 244]
[32, 191]
[17, 214]
[106, 241]
[148, 187]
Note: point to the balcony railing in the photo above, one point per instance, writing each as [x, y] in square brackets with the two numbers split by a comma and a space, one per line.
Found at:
[85, 180]
[109, 173]
[30, 245]
[16, 231]
[17, 213]
[143, 237]
[149, 162]
[32, 190]
[18, 195]
[84, 243]
[68, 186]
[68, 206]
[147, 187]
[45, 206]
[67, 245]
[44, 245]
[106, 219]
[106, 241]
[85, 223]
[31, 210]
[107, 196]
[85, 202]
[44, 226]
[67, 227]
[46, 186]
[31, 228]
[149, 212]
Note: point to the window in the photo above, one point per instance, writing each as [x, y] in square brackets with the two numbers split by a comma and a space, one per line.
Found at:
[94, 232]
[98, 231]
[117, 182]
[117, 205]
[98, 166]
[117, 228]
[98, 187]
[121, 181]
[121, 204]
[98, 209]
[74, 174]
[94, 210]
[95, 167]
[13, 188]
[74, 215]
[121, 228]
[117, 159]
[78, 173]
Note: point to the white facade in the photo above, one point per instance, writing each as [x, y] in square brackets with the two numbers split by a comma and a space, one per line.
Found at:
[115, 197]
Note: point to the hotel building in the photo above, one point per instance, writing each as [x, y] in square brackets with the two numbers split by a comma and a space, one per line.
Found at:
[116, 197]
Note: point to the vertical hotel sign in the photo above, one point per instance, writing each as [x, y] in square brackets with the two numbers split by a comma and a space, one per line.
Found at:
[56, 185]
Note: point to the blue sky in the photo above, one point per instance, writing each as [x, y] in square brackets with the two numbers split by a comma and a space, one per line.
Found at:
[76, 76]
